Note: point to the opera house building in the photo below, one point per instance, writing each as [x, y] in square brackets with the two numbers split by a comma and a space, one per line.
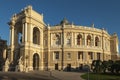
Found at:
[65, 46]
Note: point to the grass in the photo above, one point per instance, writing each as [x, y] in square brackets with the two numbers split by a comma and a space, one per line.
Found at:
[95, 76]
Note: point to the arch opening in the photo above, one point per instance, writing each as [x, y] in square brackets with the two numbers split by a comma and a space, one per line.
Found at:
[96, 41]
[79, 39]
[36, 36]
[89, 40]
[36, 61]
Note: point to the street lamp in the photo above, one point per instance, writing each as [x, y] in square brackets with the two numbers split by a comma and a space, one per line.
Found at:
[62, 59]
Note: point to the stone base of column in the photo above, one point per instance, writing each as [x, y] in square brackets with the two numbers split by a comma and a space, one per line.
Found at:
[41, 68]
[5, 68]
[30, 68]
[19, 68]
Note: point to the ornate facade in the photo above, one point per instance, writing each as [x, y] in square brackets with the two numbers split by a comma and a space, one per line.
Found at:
[64, 46]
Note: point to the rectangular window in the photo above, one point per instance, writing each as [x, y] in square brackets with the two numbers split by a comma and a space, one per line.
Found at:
[56, 55]
[68, 55]
[45, 42]
[68, 41]
[98, 56]
[80, 55]
[90, 55]
[57, 42]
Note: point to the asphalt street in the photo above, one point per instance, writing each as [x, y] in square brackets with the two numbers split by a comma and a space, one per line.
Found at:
[40, 75]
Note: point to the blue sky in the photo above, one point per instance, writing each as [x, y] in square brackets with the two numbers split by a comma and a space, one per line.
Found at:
[103, 13]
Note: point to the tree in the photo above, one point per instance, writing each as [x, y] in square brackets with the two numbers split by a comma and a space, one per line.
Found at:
[96, 66]
[104, 66]
[117, 66]
[110, 66]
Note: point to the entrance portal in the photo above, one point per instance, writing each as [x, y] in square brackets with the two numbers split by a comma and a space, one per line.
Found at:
[56, 66]
[68, 67]
[35, 61]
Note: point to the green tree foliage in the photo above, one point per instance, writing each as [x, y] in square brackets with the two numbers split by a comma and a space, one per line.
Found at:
[104, 66]
[110, 66]
[99, 66]
[117, 66]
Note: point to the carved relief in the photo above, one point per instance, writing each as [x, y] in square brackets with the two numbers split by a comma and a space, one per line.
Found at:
[68, 35]
[56, 39]
[68, 38]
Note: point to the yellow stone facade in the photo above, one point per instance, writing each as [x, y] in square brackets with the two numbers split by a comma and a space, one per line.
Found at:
[61, 47]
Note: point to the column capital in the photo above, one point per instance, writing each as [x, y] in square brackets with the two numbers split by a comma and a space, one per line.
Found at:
[11, 27]
[11, 23]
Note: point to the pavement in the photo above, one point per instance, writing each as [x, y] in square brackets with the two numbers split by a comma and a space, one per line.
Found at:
[41, 75]
[67, 75]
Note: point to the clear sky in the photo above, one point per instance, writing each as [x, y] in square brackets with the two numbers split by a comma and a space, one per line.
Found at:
[103, 13]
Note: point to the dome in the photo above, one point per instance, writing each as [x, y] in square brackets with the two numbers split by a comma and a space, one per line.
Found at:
[64, 21]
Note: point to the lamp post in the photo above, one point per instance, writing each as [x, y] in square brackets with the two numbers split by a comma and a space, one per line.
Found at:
[62, 55]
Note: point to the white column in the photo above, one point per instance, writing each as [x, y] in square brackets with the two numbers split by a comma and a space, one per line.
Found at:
[64, 39]
[12, 35]
[41, 38]
[93, 40]
[72, 38]
[60, 37]
[85, 56]
[42, 61]
[31, 33]
[25, 32]
[51, 42]
[12, 43]
[85, 37]
[96, 55]
[101, 42]
[4, 54]
[75, 41]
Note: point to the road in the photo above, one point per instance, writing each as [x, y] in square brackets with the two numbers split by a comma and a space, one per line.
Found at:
[40, 75]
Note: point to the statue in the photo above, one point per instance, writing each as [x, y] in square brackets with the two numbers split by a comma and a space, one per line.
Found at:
[20, 62]
[7, 62]
[6, 66]
[19, 67]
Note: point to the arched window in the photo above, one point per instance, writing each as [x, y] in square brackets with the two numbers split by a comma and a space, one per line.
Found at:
[89, 40]
[36, 36]
[96, 41]
[36, 61]
[19, 38]
[57, 40]
[79, 39]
